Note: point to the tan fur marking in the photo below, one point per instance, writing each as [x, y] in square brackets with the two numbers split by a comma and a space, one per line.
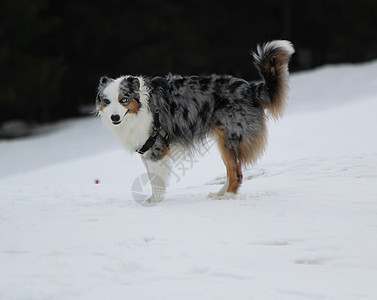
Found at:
[133, 106]
[165, 152]
[232, 164]
[101, 106]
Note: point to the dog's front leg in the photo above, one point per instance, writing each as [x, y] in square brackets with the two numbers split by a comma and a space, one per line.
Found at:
[158, 172]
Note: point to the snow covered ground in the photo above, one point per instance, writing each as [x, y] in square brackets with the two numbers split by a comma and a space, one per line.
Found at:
[303, 227]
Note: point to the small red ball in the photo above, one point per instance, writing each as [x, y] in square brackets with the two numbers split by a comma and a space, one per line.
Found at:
[96, 181]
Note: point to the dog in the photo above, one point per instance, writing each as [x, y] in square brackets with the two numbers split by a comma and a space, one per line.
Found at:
[151, 116]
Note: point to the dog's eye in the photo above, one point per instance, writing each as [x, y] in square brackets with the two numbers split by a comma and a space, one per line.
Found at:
[106, 101]
[124, 100]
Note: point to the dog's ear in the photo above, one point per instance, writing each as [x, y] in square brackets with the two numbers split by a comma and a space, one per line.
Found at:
[135, 82]
[104, 80]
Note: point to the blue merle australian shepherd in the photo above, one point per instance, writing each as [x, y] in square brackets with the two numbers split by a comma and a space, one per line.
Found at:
[153, 116]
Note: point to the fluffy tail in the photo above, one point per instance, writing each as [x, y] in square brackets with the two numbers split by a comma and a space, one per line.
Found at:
[271, 59]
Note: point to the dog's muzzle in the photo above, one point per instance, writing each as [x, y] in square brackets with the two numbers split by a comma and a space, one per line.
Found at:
[116, 118]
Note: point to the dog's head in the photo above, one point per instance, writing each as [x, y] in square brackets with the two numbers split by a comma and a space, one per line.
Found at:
[119, 97]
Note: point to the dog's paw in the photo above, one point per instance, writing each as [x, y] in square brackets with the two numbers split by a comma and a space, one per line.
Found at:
[150, 201]
[225, 196]
[153, 199]
[213, 195]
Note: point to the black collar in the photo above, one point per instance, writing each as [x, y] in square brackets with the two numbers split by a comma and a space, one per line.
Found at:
[157, 131]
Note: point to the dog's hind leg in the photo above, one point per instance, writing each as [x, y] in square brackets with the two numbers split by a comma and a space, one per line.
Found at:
[233, 169]
[158, 172]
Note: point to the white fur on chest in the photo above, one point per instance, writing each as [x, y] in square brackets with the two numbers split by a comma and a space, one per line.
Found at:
[134, 131]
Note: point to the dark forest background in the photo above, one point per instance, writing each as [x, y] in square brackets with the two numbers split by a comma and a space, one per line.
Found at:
[52, 53]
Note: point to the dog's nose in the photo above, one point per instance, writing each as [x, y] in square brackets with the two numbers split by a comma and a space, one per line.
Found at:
[115, 118]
